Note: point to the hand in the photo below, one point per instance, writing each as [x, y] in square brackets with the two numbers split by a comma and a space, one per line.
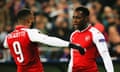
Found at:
[78, 47]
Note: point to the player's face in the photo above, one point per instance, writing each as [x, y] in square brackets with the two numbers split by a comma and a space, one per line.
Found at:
[78, 20]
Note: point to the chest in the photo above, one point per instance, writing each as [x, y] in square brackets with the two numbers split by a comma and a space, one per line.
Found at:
[82, 38]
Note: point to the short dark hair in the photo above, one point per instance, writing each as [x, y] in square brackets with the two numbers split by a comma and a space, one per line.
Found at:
[84, 10]
[23, 14]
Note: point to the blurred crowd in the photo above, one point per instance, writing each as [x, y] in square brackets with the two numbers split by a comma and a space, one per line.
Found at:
[54, 18]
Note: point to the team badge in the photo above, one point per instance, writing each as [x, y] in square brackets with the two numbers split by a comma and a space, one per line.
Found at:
[87, 38]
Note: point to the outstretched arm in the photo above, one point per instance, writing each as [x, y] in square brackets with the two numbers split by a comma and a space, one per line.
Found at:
[35, 36]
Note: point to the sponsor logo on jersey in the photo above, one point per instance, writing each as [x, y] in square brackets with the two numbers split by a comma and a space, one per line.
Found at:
[101, 40]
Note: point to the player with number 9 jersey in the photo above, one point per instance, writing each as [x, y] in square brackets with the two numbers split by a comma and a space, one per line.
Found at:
[25, 52]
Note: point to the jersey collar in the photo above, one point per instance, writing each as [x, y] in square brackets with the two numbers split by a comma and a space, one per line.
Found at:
[89, 26]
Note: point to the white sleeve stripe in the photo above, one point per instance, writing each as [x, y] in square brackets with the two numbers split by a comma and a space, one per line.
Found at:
[71, 61]
[102, 49]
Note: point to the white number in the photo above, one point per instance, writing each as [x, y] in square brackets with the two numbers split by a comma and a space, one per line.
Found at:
[18, 51]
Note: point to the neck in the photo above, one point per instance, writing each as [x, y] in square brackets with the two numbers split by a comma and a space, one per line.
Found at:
[22, 24]
[84, 26]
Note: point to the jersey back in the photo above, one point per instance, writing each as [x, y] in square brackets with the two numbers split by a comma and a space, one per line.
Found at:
[22, 49]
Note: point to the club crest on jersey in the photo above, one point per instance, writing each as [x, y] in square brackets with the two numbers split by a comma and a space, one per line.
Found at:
[87, 38]
[101, 40]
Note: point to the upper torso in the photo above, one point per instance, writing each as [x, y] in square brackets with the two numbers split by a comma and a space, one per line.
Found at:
[85, 39]
[24, 51]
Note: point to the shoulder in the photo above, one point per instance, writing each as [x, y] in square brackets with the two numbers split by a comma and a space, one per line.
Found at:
[31, 30]
[74, 32]
[95, 32]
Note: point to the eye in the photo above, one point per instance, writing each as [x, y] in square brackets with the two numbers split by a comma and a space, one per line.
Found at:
[77, 17]
[73, 16]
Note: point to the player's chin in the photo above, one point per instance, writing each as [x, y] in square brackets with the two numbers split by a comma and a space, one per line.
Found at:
[75, 26]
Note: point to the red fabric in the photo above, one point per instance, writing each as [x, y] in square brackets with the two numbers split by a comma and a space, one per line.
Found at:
[93, 69]
[24, 52]
[100, 27]
[87, 62]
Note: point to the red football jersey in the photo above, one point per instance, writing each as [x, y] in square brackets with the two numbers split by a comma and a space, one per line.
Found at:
[24, 52]
[85, 40]
[23, 46]
[94, 42]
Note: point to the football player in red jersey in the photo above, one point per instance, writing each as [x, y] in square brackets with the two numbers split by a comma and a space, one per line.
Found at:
[22, 43]
[92, 40]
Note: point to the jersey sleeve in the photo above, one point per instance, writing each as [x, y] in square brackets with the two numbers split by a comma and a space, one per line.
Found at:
[36, 36]
[102, 48]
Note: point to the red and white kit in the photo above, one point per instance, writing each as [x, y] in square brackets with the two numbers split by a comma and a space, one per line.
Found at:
[23, 47]
[94, 43]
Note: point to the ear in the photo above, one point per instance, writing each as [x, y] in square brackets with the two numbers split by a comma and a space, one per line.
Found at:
[26, 21]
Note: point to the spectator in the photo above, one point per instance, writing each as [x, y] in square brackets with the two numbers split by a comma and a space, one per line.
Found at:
[14, 8]
[4, 14]
[34, 6]
[41, 22]
[60, 29]
[4, 53]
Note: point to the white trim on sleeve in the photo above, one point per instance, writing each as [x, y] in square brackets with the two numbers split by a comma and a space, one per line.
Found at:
[102, 48]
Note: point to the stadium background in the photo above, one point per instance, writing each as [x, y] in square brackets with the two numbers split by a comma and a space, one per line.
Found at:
[53, 17]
